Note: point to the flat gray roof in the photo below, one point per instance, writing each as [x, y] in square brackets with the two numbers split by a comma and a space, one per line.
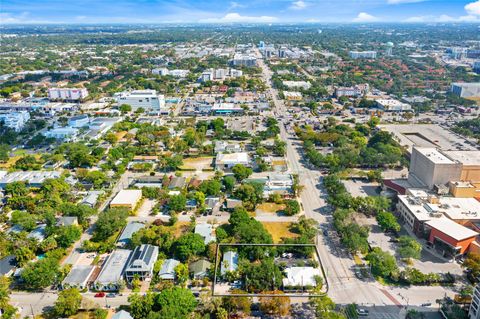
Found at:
[112, 270]
[78, 275]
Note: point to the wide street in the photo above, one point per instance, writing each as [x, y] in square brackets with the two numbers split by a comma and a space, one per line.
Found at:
[344, 286]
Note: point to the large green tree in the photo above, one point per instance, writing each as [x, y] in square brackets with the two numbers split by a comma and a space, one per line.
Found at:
[382, 263]
[188, 245]
[68, 302]
[176, 303]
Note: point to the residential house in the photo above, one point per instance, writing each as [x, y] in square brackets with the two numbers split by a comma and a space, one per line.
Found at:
[67, 221]
[199, 269]
[231, 204]
[39, 233]
[177, 182]
[7, 265]
[229, 262]
[206, 231]
[122, 314]
[79, 277]
[167, 272]
[141, 262]
[225, 147]
[128, 231]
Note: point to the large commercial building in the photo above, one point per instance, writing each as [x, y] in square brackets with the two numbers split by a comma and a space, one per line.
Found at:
[67, 94]
[177, 73]
[297, 84]
[15, 120]
[440, 220]
[431, 167]
[149, 100]
[66, 134]
[79, 121]
[244, 60]
[466, 89]
[227, 161]
[363, 54]
[352, 91]
[32, 178]
[474, 311]
[392, 105]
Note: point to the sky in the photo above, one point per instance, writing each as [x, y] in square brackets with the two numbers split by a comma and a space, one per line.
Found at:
[239, 11]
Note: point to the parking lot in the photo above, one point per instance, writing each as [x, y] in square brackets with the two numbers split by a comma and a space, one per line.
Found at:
[361, 187]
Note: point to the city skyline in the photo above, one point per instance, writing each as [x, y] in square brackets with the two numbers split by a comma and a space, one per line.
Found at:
[251, 11]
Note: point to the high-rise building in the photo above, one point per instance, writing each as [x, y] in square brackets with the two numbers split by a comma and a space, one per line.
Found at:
[363, 54]
[261, 44]
[389, 49]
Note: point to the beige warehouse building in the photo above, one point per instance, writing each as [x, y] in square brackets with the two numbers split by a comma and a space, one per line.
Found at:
[127, 198]
[431, 167]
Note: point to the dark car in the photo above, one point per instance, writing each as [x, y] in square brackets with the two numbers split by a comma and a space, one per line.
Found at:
[362, 312]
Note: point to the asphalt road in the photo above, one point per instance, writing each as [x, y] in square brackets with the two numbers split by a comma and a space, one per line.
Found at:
[345, 288]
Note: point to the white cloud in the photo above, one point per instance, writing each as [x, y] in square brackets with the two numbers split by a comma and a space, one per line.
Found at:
[444, 18]
[473, 9]
[365, 17]
[22, 18]
[235, 5]
[298, 5]
[237, 18]
[403, 1]
[418, 19]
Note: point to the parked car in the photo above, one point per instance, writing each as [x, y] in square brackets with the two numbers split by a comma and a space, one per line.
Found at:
[111, 295]
[362, 312]
[99, 295]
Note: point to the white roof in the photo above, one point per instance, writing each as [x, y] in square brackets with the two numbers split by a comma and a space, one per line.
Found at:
[451, 228]
[205, 230]
[230, 262]
[168, 269]
[465, 157]
[434, 155]
[291, 84]
[127, 197]
[452, 207]
[232, 158]
[113, 268]
[292, 94]
[301, 276]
